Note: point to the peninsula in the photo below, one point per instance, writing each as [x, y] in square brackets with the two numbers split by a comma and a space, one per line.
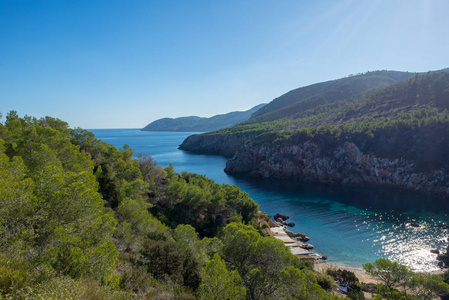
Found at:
[199, 124]
[382, 128]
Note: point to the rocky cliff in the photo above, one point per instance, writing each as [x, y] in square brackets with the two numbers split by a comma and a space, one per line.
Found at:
[346, 165]
[393, 137]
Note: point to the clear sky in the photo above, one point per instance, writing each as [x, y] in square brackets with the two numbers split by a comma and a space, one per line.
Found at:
[123, 64]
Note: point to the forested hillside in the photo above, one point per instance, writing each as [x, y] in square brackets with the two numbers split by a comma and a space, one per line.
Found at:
[344, 89]
[350, 141]
[80, 219]
[198, 124]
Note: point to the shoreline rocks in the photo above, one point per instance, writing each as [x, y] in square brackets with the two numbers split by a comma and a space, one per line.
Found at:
[280, 219]
[298, 248]
[443, 258]
[306, 246]
[297, 236]
[343, 164]
[283, 217]
[295, 241]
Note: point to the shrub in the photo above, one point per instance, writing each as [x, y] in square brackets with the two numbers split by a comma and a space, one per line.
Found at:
[343, 276]
[14, 274]
[325, 281]
[356, 293]
[12, 280]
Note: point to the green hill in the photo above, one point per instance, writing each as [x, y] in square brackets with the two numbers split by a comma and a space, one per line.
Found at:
[199, 124]
[398, 112]
[404, 126]
[419, 92]
[299, 100]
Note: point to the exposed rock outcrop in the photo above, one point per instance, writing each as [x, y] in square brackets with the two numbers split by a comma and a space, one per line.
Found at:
[306, 246]
[283, 217]
[281, 221]
[444, 258]
[361, 130]
[345, 164]
[297, 236]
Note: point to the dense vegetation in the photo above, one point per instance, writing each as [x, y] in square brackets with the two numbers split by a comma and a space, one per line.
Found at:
[394, 281]
[80, 219]
[409, 120]
[198, 124]
[399, 282]
[344, 89]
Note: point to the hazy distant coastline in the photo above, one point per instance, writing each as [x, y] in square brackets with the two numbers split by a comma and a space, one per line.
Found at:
[199, 124]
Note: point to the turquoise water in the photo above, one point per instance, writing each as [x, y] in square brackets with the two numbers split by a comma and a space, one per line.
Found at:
[350, 226]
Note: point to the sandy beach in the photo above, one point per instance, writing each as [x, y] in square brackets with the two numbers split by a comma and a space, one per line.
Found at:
[322, 266]
[278, 231]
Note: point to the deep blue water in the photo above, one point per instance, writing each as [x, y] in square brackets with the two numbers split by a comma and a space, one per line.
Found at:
[351, 226]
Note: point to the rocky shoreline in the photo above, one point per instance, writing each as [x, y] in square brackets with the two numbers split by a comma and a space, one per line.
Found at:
[297, 242]
[442, 258]
[346, 164]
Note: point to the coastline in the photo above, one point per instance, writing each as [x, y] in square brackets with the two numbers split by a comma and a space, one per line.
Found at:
[320, 263]
[278, 231]
[296, 246]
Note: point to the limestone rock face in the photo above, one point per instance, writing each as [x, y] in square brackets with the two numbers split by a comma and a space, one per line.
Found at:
[345, 164]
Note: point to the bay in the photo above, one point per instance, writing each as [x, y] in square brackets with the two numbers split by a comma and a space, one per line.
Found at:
[351, 226]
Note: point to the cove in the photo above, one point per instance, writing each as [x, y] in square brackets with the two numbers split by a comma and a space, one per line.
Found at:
[351, 226]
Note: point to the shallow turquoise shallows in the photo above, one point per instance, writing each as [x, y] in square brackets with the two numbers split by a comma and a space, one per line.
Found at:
[351, 226]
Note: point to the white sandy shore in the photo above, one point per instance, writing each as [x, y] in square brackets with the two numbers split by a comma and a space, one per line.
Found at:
[322, 266]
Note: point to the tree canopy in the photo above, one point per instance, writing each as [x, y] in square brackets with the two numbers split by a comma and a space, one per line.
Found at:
[80, 218]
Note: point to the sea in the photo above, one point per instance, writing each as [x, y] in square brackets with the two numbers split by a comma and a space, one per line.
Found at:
[350, 226]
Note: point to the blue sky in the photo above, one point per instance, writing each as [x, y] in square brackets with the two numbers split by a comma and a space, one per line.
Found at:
[123, 64]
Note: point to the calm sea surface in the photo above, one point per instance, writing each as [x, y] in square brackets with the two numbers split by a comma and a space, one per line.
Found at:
[351, 226]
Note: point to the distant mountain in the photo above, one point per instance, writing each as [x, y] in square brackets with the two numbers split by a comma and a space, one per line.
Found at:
[199, 124]
[380, 128]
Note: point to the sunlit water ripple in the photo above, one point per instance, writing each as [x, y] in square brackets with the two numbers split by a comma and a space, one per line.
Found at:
[351, 226]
